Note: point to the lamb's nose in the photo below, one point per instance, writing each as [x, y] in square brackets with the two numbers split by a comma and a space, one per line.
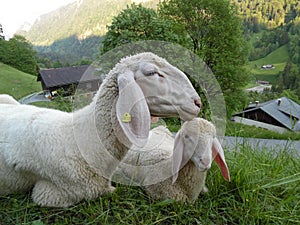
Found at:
[206, 163]
[198, 103]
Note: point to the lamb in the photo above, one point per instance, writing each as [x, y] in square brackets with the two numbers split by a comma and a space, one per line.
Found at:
[180, 172]
[69, 157]
[7, 99]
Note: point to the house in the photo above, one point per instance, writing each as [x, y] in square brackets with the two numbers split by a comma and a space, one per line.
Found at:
[279, 115]
[263, 82]
[267, 67]
[68, 79]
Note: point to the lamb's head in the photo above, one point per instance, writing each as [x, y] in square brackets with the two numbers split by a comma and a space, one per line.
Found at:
[197, 141]
[149, 85]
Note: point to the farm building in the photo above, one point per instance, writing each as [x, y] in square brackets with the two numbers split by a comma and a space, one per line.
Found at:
[279, 115]
[68, 78]
[267, 67]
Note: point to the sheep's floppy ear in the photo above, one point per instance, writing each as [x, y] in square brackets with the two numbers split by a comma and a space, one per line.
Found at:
[219, 158]
[132, 110]
[177, 156]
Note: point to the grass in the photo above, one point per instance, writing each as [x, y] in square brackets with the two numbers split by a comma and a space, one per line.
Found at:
[58, 102]
[278, 58]
[265, 189]
[242, 130]
[17, 83]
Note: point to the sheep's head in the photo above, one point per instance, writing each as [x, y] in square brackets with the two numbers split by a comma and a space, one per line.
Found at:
[149, 85]
[167, 90]
[197, 141]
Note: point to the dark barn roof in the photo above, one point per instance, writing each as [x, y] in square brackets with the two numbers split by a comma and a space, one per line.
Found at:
[281, 112]
[67, 75]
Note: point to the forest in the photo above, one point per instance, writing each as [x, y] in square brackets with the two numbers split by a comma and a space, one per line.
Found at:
[269, 25]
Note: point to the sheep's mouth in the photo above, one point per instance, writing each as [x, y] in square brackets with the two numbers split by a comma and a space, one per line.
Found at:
[153, 114]
[185, 113]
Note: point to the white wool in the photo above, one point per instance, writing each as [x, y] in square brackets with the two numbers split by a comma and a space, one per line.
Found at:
[7, 99]
[190, 182]
[68, 157]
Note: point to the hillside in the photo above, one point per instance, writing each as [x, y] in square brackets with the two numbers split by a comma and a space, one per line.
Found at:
[83, 19]
[278, 58]
[17, 83]
[74, 32]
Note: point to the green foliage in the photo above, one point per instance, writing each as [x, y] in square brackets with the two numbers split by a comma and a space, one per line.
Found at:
[16, 83]
[215, 32]
[58, 102]
[288, 79]
[68, 51]
[136, 23]
[265, 96]
[269, 14]
[294, 43]
[268, 42]
[18, 53]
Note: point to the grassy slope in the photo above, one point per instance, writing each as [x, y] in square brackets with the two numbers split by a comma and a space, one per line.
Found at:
[17, 83]
[278, 58]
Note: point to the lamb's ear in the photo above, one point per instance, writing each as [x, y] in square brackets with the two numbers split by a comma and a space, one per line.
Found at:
[177, 156]
[219, 158]
[132, 110]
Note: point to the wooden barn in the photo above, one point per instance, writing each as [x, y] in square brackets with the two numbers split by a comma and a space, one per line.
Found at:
[278, 115]
[68, 79]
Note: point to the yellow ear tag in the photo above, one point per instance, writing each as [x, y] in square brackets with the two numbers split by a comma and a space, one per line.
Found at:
[126, 118]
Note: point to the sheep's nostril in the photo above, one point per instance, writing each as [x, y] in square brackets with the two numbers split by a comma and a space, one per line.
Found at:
[198, 103]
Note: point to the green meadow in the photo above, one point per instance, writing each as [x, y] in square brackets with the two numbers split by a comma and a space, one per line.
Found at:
[278, 58]
[17, 83]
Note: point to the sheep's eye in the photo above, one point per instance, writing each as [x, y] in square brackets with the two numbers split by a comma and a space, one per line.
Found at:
[153, 73]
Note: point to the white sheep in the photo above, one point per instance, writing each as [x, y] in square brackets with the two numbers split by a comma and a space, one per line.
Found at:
[7, 99]
[68, 157]
[191, 154]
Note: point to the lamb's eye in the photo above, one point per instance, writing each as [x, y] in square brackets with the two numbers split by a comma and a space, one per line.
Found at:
[151, 73]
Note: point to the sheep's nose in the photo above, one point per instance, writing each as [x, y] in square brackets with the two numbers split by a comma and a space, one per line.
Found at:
[198, 103]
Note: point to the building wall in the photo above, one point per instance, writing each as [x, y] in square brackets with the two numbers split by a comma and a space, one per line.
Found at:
[261, 116]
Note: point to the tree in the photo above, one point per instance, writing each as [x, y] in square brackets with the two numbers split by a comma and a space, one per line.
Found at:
[137, 23]
[18, 53]
[215, 31]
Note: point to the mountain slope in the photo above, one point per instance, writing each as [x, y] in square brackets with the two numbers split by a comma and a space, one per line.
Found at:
[83, 19]
[278, 58]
